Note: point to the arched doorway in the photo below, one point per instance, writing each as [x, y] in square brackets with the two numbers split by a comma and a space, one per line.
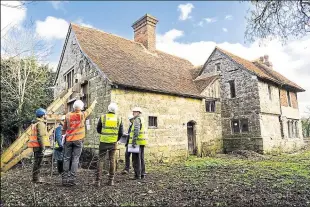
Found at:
[191, 136]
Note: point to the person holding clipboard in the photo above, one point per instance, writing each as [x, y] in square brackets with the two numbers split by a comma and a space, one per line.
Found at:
[137, 142]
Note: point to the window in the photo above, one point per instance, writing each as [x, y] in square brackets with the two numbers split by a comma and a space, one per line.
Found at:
[240, 125]
[69, 78]
[244, 125]
[152, 121]
[289, 129]
[210, 106]
[232, 89]
[70, 106]
[288, 98]
[269, 92]
[217, 66]
[235, 126]
[84, 97]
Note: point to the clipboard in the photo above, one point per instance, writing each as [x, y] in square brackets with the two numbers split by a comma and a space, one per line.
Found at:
[133, 150]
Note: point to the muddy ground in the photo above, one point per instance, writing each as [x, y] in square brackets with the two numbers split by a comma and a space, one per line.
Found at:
[240, 179]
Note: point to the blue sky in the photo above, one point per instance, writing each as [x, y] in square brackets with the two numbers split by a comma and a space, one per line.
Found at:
[187, 29]
[117, 17]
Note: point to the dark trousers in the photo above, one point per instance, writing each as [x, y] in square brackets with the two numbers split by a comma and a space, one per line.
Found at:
[127, 159]
[38, 158]
[72, 153]
[138, 162]
[60, 166]
[106, 148]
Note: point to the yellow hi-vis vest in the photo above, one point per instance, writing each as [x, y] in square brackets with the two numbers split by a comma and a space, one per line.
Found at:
[142, 137]
[109, 131]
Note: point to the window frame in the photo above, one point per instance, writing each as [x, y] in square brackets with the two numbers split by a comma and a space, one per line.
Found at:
[289, 100]
[270, 92]
[154, 121]
[241, 126]
[233, 126]
[217, 67]
[209, 104]
[232, 88]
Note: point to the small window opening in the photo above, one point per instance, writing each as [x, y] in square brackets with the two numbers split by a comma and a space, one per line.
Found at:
[235, 126]
[210, 106]
[152, 121]
[232, 89]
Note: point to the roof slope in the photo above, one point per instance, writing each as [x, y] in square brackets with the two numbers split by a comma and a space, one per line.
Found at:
[130, 64]
[262, 71]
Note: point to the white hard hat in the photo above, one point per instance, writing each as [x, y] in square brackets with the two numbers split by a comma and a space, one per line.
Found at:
[130, 117]
[137, 109]
[63, 117]
[112, 107]
[78, 104]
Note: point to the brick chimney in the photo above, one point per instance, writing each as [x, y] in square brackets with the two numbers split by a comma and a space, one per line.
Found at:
[144, 31]
[265, 60]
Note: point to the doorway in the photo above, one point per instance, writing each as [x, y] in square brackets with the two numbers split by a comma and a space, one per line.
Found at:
[191, 135]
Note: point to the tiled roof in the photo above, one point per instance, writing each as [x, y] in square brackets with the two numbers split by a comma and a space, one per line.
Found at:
[128, 63]
[203, 82]
[262, 71]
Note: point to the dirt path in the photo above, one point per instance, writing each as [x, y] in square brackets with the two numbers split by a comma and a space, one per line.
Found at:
[228, 180]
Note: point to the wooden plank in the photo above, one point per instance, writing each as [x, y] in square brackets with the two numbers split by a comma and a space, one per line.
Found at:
[24, 154]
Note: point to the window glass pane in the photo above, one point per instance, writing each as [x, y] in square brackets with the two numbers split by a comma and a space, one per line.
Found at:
[235, 126]
[210, 106]
[288, 98]
[232, 89]
[152, 121]
[244, 125]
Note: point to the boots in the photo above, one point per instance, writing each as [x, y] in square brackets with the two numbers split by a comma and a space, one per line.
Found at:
[37, 179]
[111, 182]
[60, 166]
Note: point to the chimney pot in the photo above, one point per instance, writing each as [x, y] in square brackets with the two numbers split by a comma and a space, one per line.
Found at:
[266, 58]
[145, 31]
[261, 59]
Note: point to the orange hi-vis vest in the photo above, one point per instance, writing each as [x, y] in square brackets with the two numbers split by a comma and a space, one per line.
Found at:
[75, 126]
[33, 138]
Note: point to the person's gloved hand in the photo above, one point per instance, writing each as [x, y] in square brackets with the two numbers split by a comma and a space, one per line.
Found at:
[134, 143]
[60, 149]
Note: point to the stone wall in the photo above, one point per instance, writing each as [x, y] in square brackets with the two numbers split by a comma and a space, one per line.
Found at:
[269, 104]
[98, 86]
[245, 105]
[169, 140]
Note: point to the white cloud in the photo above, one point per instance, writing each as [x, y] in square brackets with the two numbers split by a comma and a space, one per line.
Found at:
[169, 36]
[228, 17]
[210, 20]
[58, 5]
[200, 24]
[11, 16]
[291, 60]
[82, 23]
[185, 9]
[52, 28]
[224, 29]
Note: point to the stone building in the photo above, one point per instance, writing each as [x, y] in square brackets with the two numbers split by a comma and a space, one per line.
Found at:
[188, 110]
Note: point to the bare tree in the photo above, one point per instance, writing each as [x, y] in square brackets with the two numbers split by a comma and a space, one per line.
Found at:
[278, 19]
[24, 79]
[306, 123]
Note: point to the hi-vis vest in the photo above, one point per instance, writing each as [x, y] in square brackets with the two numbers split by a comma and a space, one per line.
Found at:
[142, 137]
[33, 139]
[109, 131]
[75, 126]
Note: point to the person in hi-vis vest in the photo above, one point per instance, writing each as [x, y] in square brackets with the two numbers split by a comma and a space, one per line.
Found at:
[38, 140]
[110, 128]
[138, 136]
[74, 127]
